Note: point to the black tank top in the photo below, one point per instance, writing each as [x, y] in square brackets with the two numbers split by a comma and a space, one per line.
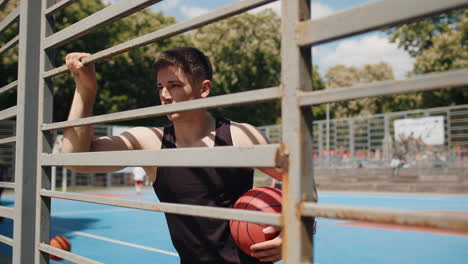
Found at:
[199, 239]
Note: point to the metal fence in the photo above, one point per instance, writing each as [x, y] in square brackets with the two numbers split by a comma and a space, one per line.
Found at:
[34, 128]
[370, 141]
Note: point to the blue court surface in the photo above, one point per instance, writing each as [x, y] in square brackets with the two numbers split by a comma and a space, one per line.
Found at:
[119, 235]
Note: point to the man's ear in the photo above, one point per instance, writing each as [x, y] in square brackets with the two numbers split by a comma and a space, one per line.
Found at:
[205, 88]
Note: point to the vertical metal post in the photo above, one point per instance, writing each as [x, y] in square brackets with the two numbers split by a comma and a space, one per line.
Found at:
[320, 140]
[328, 135]
[64, 179]
[298, 181]
[73, 179]
[26, 132]
[108, 179]
[351, 137]
[53, 177]
[387, 139]
[45, 138]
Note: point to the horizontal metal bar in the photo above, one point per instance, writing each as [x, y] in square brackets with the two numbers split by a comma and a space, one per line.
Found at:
[10, 185]
[3, 2]
[254, 156]
[58, 7]
[14, 41]
[257, 96]
[8, 113]
[371, 16]
[9, 86]
[426, 82]
[6, 240]
[103, 17]
[181, 27]
[388, 216]
[10, 19]
[173, 208]
[6, 212]
[66, 255]
[7, 140]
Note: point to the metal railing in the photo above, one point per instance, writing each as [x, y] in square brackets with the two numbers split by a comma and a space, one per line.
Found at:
[299, 33]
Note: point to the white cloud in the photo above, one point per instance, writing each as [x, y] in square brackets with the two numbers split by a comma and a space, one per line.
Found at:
[318, 9]
[365, 50]
[192, 11]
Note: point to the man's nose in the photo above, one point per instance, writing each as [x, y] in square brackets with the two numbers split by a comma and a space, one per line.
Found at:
[165, 95]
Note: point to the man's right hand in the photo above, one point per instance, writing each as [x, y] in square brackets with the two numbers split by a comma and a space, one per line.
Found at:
[85, 76]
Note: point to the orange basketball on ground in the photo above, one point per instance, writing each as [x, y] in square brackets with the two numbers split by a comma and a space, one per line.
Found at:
[60, 242]
[264, 199]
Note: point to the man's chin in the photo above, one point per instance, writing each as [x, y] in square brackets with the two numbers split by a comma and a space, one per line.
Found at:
[173, 116]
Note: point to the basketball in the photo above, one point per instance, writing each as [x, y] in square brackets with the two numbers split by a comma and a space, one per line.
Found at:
[245, 234]
[60, 242]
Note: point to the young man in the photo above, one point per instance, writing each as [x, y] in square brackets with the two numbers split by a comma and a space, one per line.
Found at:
[182, 74]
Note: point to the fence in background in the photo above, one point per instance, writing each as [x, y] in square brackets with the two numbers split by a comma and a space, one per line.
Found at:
[370, 141]
[35, 129]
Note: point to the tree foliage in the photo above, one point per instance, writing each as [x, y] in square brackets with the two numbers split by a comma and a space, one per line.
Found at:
[244, 50]
[438, 43]
[245, 53]
[346, 76]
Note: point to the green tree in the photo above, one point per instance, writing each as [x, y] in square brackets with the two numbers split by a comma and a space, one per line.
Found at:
[124, 82]
[438, 43]
[245, 53]
[346, 76]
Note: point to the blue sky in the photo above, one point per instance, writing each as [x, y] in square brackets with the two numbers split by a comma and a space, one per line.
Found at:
[359, 50]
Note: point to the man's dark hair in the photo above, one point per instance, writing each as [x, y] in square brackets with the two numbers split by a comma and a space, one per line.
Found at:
[191, 60]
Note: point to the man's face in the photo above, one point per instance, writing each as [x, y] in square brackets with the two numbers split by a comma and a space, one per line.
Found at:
[174, 86]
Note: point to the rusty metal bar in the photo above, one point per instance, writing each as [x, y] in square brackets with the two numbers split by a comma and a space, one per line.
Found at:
[7, 212]
[298, 182]
[371, 16]
[9, 86]
[173, 208]
[426, 82]
[6, 240]
[255, 96]
[10, 185]
[14, 41]
[58, 7]
[66, 255]
[3, 2]
[387, 216]
[103, 17]
[10, 19]
[8, 113]
[7, 140]
[181, 27]
[258, 156]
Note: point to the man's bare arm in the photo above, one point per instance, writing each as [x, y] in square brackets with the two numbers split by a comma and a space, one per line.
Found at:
[247, 135]
[81, 139]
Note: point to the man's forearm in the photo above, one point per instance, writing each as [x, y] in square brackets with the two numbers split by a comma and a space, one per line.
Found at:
[79, 139]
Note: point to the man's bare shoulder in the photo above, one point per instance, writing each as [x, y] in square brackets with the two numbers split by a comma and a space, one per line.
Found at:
[144, 138]
[244, 134]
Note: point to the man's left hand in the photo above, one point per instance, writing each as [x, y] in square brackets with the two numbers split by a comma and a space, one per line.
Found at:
[269, 250]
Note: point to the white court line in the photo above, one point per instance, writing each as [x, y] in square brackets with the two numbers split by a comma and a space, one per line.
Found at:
[92, 211]
[118, 242]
